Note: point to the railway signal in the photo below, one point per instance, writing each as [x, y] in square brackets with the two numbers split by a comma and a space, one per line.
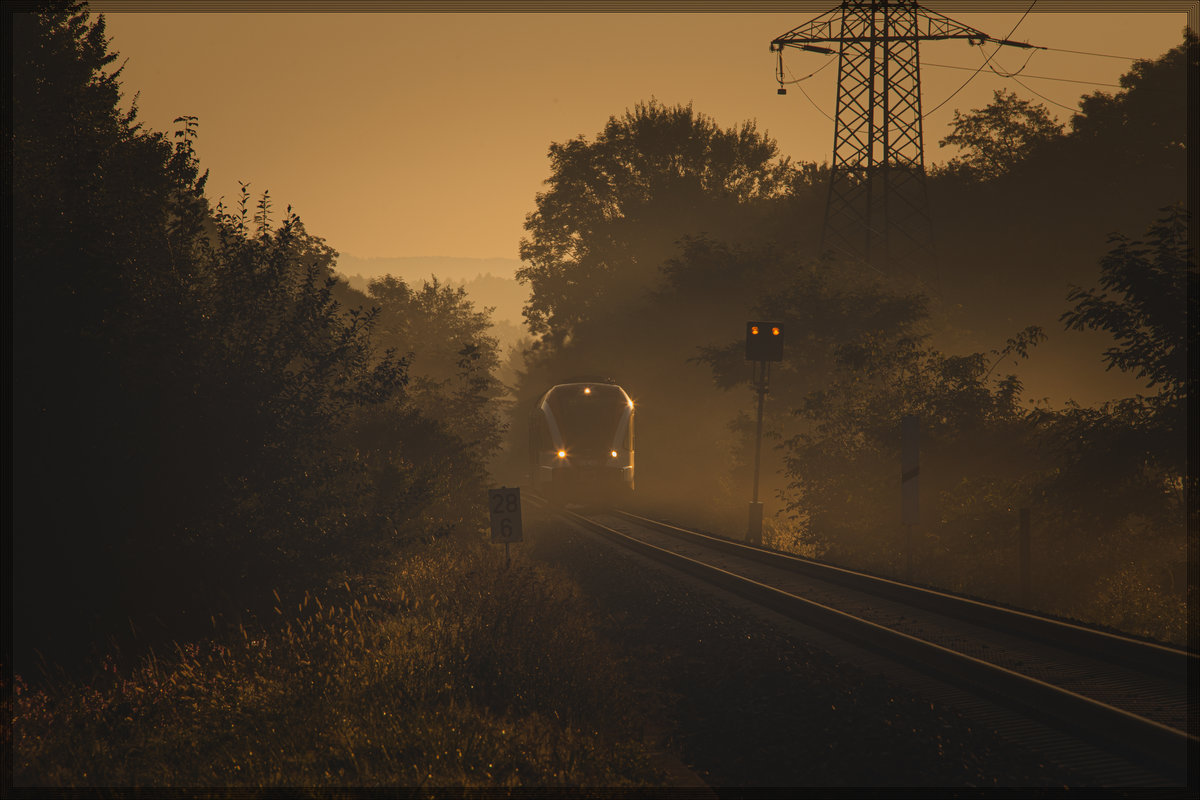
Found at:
[764, 341]
[764, 344]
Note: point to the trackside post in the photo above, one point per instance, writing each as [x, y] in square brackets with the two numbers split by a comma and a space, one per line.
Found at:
[1023, 554]
[764, 344]
[505, 507]
[910, 471]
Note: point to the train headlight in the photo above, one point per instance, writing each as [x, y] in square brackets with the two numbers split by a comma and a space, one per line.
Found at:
[562, 453]
[587, 390]
[613, 453]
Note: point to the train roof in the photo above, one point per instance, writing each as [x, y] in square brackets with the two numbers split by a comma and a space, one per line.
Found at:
[587, 379]
[604, 385]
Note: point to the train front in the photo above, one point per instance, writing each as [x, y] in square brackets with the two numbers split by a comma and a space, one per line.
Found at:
[581, 443]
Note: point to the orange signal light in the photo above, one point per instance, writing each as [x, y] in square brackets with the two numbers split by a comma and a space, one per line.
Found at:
[763, 347]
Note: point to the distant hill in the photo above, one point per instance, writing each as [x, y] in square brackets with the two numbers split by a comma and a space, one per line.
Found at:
[505, 294]
[412, 268]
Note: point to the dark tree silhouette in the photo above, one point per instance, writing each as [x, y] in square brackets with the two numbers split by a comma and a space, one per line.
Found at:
[616, 206]
[1146, 122]
[998, 136]
[1150, 311]
[98, 209]
[197, 419]
[1135, 447]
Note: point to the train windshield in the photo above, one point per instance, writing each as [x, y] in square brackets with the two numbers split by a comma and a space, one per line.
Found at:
[588, 416]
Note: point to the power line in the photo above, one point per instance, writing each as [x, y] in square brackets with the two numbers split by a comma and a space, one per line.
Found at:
[1028, 58]
[984, 64]
[1086, 53]
[814, 103]
[1018, 72]
[798, 81]
[1047, 99]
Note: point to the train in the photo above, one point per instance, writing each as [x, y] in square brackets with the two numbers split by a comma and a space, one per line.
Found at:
[581, 443]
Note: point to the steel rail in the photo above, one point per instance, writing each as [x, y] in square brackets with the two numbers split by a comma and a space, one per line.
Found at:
[1158, 747]
[1148, 657]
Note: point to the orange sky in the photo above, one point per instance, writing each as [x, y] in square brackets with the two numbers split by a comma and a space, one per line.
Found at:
[416, 134]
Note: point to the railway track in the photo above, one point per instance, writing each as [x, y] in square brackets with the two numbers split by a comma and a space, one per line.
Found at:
[1126, 697]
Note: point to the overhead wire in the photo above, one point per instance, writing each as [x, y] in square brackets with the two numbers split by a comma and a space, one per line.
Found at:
[1039, 94]
[779, 72]
[1028, 58]
[1067, 80]
[1018, 73]
[986, 61]
[814, 104]
[797, 82]
[1086, 53]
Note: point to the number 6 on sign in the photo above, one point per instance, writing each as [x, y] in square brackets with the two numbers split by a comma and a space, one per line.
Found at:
[505, 505]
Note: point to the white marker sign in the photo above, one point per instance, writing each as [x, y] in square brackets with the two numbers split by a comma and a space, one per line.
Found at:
[505, 505]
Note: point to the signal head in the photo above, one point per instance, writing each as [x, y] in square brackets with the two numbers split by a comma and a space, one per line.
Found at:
[764, 341]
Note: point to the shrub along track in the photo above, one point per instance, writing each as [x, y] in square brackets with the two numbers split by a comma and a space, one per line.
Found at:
[1107, 709]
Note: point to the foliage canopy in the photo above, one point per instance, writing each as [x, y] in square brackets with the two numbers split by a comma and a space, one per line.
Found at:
[1000, 135]
[202, 420]
[616, 205]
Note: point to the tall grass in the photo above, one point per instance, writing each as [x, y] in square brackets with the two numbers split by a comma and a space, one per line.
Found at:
[457, 672]
[1130, 576]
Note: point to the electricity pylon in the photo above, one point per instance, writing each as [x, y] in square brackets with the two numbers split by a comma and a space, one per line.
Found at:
[877, 208]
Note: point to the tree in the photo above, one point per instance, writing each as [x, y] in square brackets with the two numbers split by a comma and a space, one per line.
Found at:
[1153, 313]
[616, 206]
[97, 203]
[998, 136]
[1146, 122]
[1152, 318]
[453, 358]
[836, 315]
[195, 415]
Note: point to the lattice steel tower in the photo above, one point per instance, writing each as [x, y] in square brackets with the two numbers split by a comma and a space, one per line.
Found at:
[877, 208]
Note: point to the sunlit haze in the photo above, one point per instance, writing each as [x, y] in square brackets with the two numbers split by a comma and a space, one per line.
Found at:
[416, 134]
[446, 394]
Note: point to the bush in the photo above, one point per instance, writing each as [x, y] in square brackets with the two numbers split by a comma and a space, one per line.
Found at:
[460, 673]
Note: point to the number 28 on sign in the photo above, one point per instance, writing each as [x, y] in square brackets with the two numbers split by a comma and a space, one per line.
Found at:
[505, 507]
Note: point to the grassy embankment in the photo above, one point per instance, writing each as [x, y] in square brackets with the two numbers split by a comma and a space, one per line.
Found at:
[453, 671]
[1131, 578]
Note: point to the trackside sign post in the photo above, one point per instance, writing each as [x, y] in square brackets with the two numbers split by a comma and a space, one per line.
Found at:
[764, 344]
[505, 506]
[910, 471]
